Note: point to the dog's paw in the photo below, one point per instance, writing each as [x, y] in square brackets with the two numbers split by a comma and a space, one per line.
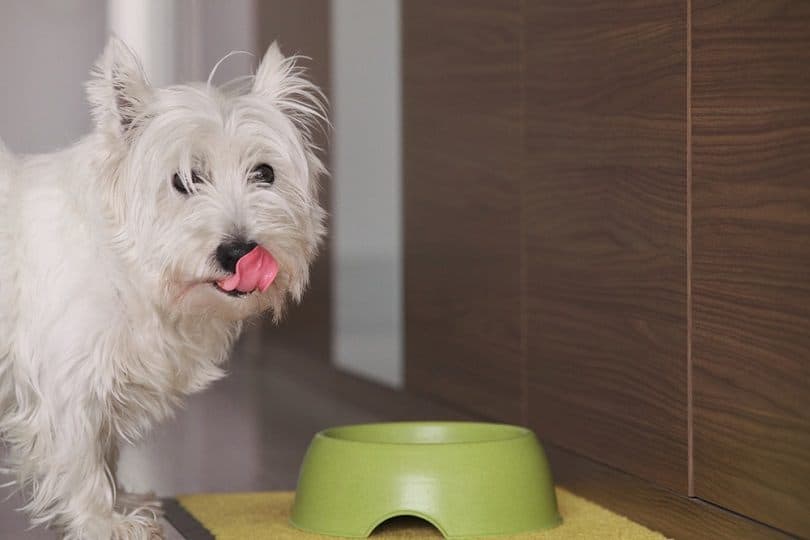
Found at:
[138, 503]
[136, 526]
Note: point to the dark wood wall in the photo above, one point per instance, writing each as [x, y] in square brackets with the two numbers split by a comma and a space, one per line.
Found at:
[605, 227]
[302, 27]
[462, 165]
[751, 271]
[607, 238]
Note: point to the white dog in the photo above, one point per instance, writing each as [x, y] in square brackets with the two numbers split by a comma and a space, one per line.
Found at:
[129, 260]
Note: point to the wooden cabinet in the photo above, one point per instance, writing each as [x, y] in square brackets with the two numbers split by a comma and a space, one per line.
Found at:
[605, 207]
[608, 239]
[462, 162]
[751, 245]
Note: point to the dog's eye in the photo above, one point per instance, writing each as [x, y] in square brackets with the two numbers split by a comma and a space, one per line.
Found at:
[263, 173]
[177, 182]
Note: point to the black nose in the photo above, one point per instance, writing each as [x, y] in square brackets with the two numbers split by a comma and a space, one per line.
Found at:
[228, 253]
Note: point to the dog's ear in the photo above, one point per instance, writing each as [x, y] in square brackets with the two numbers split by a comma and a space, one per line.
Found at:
[284, 84]
[270, 75]
[118, 89]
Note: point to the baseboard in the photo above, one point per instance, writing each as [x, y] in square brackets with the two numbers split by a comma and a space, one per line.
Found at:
[672, 514]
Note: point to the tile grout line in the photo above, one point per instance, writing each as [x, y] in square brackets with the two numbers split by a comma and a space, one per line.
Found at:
[689, 319]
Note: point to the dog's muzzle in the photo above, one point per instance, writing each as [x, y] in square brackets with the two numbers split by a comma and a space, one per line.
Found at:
[251, 266]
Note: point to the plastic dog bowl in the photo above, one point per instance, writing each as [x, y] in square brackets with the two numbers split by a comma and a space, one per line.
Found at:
[466, 479]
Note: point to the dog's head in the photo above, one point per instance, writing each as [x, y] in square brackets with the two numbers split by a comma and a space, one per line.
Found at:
[212, 192]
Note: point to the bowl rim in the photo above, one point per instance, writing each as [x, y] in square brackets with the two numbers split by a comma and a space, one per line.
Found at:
[513, 432]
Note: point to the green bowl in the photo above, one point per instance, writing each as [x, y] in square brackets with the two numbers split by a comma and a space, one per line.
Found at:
[466, 479]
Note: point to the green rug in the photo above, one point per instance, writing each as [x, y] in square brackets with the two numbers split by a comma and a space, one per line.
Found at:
[265, 516]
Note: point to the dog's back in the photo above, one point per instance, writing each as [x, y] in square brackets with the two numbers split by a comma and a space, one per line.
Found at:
[6, 165]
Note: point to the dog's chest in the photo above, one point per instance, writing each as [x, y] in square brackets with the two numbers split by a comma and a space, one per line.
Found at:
[162, 361]
[180, 354]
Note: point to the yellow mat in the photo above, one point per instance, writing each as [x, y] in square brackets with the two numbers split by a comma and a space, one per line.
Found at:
[265, 516]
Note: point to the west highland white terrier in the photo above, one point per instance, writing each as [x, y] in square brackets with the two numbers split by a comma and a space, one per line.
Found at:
[128, 263]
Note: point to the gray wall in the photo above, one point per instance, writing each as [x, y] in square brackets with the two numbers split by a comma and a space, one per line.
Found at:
[46, 50]
[224, 27]
[48, 46]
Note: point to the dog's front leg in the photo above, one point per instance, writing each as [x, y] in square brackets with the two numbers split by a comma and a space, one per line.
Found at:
[127, 502]
[73, 488]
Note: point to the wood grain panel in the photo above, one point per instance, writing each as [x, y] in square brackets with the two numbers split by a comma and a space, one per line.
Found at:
[462, 164]
[302, 27]
[751, 211]
[606, 232]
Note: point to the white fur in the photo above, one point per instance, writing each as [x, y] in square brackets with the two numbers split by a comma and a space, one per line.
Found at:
[108, 315]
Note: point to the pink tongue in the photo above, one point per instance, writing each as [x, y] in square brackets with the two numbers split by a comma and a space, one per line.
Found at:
[255, 270]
